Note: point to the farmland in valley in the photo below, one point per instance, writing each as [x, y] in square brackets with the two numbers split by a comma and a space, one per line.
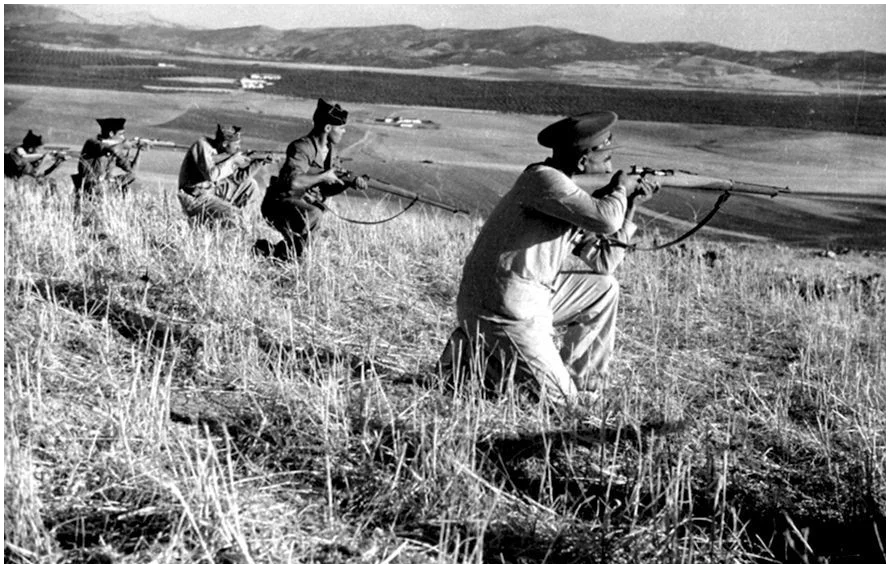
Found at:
[108, 70]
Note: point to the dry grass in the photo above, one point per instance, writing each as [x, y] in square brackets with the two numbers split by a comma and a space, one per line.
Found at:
[171, 398]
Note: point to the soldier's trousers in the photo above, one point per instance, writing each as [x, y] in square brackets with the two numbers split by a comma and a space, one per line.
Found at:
[89, 191]
[296, 220]
[219, 202]
[498, 351]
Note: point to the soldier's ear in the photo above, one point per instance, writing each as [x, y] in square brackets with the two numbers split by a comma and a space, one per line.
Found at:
[582, 162]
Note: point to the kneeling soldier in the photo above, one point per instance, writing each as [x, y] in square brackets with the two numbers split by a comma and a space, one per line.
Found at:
[216, 178]
[26, 159]
[100, 156]
[513, 293]
[295, 200]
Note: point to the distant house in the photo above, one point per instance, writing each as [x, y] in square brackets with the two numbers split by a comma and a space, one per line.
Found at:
[252, 84]
[402, 121]
[265, 76]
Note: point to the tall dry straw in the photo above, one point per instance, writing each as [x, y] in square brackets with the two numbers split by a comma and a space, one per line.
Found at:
[170, 397]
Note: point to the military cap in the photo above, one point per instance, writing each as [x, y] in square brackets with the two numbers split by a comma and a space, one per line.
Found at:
[591, 131]
[32, 140]
[326, 113]
[111, 124]
[227, 133]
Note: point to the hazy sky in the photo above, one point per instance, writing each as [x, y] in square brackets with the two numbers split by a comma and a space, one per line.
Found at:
[767, 27]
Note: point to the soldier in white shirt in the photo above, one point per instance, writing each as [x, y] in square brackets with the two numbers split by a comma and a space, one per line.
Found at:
[512, 293]
[216, 178]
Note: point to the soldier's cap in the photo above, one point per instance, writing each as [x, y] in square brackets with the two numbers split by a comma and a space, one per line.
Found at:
[227, 133]
[32, 140]
[588, 131]
[326, 113]
[111, 124]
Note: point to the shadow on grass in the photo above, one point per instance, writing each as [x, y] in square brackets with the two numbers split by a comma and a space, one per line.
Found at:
[101, 534]
[311, 358]
[130, 322]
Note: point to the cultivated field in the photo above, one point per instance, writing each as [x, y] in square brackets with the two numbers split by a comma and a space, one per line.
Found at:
[837, 110]
[475, 156]
[171, 398]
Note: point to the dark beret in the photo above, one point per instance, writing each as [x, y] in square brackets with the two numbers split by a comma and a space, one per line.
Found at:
[111, 124]
[326, 113]
[583, 131]
[32, 140]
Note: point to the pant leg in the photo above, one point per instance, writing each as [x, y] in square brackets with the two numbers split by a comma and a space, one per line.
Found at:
[538, 358]
[295, 219]
[88, 197]
[205, 207]
[237, 189]
[588, 305]
[505, 355]
[124, 182]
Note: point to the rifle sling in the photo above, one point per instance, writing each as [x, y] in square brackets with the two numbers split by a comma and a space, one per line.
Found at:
[720, 201]
[379, 222]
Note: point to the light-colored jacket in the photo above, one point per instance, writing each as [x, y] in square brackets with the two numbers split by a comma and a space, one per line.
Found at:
[199, 167]
[510, 272]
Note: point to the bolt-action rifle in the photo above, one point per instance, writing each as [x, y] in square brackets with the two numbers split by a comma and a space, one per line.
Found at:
[689, 180]
[56, 150]
[376, 184]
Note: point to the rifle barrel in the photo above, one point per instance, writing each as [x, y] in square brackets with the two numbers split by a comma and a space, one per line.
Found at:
[386, 187]
[685, 180]
[690, 180]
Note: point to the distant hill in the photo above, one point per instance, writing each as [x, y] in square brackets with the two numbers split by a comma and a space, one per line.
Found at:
[23, 14]
[404, 46]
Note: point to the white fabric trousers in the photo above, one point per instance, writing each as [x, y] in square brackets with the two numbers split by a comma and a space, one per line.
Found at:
[586, 304]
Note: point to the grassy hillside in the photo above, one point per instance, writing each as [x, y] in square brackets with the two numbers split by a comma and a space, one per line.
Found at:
[171, 398]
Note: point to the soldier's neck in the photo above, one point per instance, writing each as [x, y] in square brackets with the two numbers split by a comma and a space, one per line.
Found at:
[568, 169]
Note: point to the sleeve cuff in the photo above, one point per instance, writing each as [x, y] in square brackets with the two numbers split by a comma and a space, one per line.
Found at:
[629, 228]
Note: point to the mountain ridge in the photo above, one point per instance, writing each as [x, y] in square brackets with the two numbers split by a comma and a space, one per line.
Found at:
[410, 46]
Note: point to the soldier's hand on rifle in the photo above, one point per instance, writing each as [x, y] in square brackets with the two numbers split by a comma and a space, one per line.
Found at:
[360, 182]
[644, 189]
[264, 159]
[241, 159]
[330, 177]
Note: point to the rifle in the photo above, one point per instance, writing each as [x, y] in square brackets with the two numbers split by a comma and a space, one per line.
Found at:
[688, 180]
[56, 149]
[152, 142]
[170, 145]
[385, 187]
